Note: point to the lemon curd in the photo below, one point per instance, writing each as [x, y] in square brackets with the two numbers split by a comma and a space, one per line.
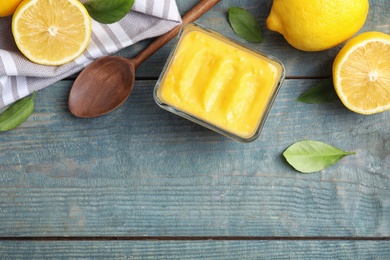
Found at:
[219, 84]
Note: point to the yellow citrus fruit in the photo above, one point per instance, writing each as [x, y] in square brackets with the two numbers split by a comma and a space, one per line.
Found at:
[51, 32]
[361, 73]
[317, 25]
[7, 7]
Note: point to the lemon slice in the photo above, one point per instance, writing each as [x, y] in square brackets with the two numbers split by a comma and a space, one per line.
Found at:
[51, 32]
[361, 73]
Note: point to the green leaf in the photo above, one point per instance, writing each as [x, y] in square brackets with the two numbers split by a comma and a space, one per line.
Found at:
[108, 11]
[245, 25]
[321, 93]
[17, 113]
[312, 156]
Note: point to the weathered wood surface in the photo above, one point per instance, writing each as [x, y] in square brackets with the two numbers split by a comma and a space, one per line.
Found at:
[215, 250]
[143, 172]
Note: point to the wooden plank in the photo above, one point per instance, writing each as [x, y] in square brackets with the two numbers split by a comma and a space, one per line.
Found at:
[297, 63]
[141, 171]
[195, 249]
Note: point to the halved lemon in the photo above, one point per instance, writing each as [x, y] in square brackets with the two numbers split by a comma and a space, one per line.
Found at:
[361, 73]
[51, 32]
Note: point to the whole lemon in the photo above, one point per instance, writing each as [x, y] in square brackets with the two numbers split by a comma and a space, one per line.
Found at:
[7, 7]
[316, 25]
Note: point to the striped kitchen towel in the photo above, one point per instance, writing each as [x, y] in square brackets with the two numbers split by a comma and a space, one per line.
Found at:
[19, 77]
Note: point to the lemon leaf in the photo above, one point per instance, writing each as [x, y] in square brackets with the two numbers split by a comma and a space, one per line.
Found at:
[108, 12]
[245, 25]
[321, 93]
[310, 156]
[17, 113]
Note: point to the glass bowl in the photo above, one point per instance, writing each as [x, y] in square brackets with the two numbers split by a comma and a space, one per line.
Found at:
[218, 83]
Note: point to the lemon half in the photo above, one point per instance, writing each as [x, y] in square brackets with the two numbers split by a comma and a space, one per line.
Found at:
[361, 73]
[51, 32]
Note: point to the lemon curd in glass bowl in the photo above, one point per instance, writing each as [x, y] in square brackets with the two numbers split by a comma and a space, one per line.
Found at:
[219, 84]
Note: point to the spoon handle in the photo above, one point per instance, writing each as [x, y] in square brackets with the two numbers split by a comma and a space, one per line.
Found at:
[198, 10]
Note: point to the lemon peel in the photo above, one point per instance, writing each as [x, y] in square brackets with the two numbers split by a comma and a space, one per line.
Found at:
[317, 25]
[8, 7]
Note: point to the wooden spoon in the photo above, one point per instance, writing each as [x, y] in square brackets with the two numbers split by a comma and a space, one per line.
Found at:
[108, 81]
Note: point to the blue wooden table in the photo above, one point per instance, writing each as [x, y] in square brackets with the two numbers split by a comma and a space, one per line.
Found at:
[141, 183]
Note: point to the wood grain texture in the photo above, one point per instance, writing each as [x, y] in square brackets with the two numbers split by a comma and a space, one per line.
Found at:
[141, 171]
[298, 63]
[223, 250]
